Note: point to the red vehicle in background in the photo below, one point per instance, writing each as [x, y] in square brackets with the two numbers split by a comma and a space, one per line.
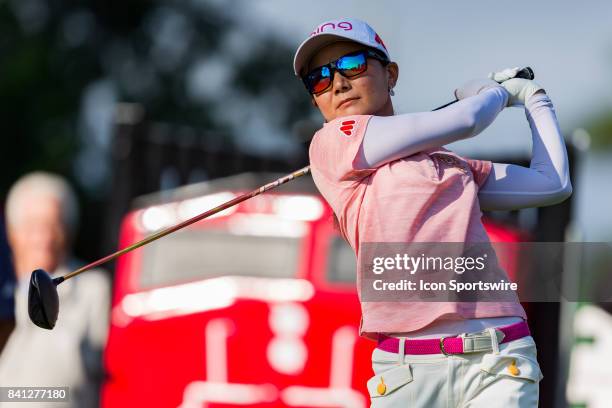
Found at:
[256, 306]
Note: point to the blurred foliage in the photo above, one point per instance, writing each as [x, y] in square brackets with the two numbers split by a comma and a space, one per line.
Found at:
[51, 51]
[600, 129]
[187, 62]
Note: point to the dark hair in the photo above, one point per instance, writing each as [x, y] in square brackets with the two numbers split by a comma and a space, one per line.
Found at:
[383, 58]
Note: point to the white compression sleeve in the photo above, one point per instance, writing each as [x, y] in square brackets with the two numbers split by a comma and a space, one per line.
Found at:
[546, 181]
[389, 138]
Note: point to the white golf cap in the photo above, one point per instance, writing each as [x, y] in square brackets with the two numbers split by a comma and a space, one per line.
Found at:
[332, 31]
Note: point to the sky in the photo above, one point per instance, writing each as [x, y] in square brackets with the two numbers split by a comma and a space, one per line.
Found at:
[439, 45]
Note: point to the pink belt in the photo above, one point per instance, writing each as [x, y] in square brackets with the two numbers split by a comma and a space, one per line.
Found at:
[452, 345]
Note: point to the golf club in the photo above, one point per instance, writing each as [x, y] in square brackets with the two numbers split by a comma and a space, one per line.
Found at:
[43, 298]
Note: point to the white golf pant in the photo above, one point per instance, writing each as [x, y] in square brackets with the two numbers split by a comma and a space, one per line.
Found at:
[507, 378]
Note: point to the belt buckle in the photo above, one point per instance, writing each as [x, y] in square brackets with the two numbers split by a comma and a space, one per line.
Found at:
[442, 345]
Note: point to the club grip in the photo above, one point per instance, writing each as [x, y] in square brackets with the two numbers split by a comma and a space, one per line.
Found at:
[525, 73]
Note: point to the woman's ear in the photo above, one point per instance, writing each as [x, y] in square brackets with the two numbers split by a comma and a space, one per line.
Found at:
[393, 74]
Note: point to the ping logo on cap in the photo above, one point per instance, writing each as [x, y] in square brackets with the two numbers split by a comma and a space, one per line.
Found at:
[330, 31]
[346, 127]
[342, 25]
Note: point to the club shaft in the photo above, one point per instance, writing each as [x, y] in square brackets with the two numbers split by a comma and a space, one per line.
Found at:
[299, 173]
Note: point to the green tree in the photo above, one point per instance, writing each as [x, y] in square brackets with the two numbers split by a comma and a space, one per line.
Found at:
[600, 129]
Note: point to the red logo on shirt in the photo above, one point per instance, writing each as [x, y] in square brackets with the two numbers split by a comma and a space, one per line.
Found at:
[346, 127]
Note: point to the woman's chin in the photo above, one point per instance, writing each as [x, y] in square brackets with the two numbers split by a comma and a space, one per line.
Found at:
[351, 109]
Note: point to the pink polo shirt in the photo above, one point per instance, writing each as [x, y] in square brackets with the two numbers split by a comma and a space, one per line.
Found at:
[431, 196]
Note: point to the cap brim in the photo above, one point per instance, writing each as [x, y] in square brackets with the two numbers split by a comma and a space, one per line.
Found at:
[311, 45]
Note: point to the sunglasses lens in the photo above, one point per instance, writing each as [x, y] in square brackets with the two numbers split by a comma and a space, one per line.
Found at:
[351, 65]
[319, 80]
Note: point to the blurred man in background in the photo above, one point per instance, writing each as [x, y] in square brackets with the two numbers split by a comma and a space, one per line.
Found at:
[41, 219]
[7, 305]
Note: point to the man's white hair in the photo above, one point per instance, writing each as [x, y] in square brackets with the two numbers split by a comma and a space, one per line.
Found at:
[45, 184]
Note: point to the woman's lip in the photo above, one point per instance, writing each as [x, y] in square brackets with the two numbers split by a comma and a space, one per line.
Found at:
[346, 101]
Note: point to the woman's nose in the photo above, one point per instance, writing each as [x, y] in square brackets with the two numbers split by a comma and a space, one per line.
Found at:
[340, 82]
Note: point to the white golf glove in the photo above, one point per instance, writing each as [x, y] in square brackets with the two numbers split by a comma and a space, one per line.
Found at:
[474, 87]
[520, 89]
[504, 75]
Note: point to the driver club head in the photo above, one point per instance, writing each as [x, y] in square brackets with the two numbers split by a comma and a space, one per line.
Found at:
[43, 300]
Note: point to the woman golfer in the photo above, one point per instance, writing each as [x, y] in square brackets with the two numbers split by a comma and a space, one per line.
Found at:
[388, 179]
